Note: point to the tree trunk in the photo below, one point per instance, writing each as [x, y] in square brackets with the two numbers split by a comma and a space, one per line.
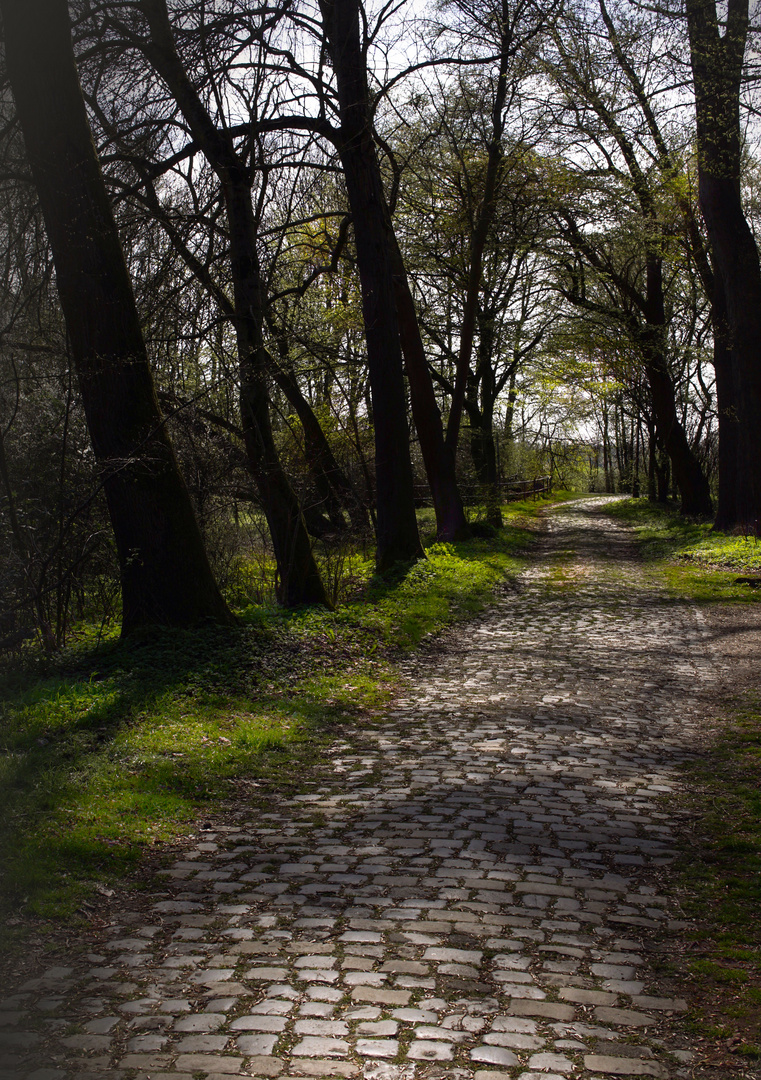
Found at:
[299, 578]
[620, 434]
[451, 523]
[512, 395]
[330, 480]
[482, 225]
[487, 451]
[738, 354]
[662, 474]
[690, 480]
[717, 62]
[688, 475]
[165, 574]
[397, 533]
[483, 450]
[726, 407]
[607, 464]
[652, 492]
[635, 482]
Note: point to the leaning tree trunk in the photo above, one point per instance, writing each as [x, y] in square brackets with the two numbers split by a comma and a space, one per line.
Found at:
[397, 533]
[689, 477]
[438, 458]
[688, 474]
[717, 62]
[299, 579]
[165, 574]
[333, 486]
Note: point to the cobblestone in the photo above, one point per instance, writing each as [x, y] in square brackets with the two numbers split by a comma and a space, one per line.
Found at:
[468, 891]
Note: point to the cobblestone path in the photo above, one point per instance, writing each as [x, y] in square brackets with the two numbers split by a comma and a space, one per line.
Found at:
[472, 893]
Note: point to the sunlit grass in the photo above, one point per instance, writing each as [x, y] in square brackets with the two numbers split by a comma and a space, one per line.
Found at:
[111, 748]
[721, 873]
[694, 559]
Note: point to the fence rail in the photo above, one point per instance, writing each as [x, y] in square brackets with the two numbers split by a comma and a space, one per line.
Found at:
[511, 489]
[519, 489]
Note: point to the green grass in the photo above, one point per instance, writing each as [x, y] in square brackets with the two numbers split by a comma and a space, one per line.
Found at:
[723, 887]
[110, 748]
[720, 887]
[694, 560]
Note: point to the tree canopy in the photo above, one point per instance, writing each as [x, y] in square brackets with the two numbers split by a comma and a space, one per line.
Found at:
[349, 261]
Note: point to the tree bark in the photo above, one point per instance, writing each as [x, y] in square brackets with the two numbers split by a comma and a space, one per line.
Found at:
[165, 574]
[726, 397]
[397, 533]
[439, 461]
[717, 62]
[688, 475]
[482, 444]
[737, 353]
[484, 219]
[299, 577]
[662, 474]
[329, 478]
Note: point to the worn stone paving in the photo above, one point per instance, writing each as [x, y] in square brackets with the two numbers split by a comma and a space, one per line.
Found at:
[474, 892]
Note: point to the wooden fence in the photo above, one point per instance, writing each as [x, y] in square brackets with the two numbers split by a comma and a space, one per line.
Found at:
[511, 489]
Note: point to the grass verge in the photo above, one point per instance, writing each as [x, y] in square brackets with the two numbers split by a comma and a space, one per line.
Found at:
[694, 560]
[720, 883]
[107, 750]
[721, 890]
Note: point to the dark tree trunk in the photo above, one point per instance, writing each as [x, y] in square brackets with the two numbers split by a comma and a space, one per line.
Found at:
[165, 574]
[606, 456]
[717, 61]
[329, 478]
[688, 475]
[662, 474]
[738, 353]
[482, 436]
[484, 453]
[638, 442]
[484, 219]
[451, 523]
[299, 578]
[620, 433]
[652, 492]
[397, 532]
[690, 480]
[726, 398]
[512, 394]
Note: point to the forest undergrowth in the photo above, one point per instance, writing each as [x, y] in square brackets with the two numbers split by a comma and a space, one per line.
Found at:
[109, 749]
